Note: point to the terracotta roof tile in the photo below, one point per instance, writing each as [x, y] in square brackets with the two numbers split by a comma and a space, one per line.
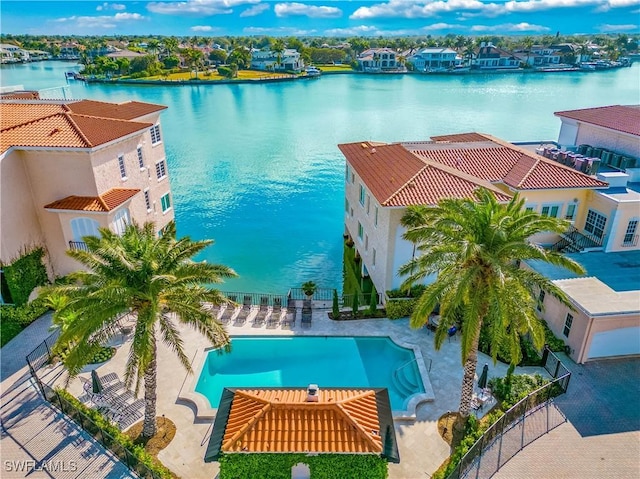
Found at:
[102, 203]
[460, 137]
[50, 125]
[117, 111]
[20, 95]
[623, 118]
[280, 420]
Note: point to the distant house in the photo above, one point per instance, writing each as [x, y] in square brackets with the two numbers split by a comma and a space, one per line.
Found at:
[302, 428]
[10, 53]
[378, 60]
[434, 59]
[124, 54]
[288, 60]
[490, 57]
[71, 167]
[539, 56]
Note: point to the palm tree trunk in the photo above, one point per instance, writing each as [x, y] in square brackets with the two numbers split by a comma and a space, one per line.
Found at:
[468, 377]
[150, 375]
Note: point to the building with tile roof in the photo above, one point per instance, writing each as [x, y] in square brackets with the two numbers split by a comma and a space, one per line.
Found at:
[70, 167]
[383, 179]
[490, 57]
[379, 60]
[313, 421]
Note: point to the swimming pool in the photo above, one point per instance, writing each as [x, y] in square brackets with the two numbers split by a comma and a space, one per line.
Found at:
[297, 361]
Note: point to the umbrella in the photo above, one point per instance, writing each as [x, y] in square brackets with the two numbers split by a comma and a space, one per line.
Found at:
[96, 384]
[482, 380]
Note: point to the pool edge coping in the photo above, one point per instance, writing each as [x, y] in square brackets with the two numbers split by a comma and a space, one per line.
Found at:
[204, 411]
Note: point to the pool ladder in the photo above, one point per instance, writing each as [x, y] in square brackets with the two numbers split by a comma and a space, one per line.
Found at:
[404, 383]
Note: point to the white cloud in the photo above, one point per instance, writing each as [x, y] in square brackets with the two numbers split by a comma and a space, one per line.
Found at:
[431, 8]
[618, 28]
[301, 9]
[201, 28]
[284, 31]
[198, 7]
[101, 21]
[440, 26]
[111, 6]
[510, 27]
[255, 10]
[369, 31]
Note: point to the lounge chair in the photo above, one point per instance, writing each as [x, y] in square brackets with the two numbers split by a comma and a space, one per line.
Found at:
[244, 312]
[306, 313]
[289, 318]
[259, 319]
[276, 312]
[130, 414]
[229, 311]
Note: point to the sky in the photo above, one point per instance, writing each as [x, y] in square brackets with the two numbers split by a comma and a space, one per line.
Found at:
[320, 17]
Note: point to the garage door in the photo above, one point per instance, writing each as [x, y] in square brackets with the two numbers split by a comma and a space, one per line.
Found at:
[618, 342]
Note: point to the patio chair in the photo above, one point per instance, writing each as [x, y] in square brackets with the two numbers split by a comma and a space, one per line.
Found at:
[276, 312]
[109, 378]
[306, 313]
[229, 310]
[244, 312]
[213, 309]
[130, 414]
[259, 319]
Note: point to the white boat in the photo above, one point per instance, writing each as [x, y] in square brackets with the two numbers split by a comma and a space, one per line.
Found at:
[313, 71]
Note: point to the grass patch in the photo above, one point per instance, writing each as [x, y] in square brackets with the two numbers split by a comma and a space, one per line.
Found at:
[164, 435]
[336, 68]
[215, 76]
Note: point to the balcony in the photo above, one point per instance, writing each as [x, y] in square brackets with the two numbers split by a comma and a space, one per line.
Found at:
[574, 241]
[630, 241]
[78, 245]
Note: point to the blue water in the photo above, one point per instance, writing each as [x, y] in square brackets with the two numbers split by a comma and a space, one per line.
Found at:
[257, 168]
[300, 361]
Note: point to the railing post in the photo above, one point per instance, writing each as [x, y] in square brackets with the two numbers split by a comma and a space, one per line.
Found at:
[555, 374]
[523, 425]
[500, 445]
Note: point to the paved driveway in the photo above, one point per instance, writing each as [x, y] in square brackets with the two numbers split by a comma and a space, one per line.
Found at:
[602, 436]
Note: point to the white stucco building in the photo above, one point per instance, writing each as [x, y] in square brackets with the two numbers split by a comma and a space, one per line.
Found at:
[290, 60]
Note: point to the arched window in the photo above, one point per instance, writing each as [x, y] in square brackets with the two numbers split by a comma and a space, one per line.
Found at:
[81, 227]
[121, 220]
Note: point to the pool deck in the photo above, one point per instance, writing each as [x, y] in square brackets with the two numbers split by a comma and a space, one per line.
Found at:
[185, 454]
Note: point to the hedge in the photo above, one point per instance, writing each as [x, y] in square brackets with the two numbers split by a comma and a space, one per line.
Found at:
[24, 274]
[400, 308]
[14, 319]
[322, 466]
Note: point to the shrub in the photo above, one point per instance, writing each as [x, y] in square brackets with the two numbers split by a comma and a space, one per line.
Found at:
[23, 315]
[24, 274]
[336, 305]
[225, 72]
[400, 308]
[373, 301]
[415, 292]
[103, 355]
[355, 306]
[555, 344]
[514, 388]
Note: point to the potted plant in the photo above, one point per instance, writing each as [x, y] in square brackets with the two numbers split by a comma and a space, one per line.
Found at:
[309, 288]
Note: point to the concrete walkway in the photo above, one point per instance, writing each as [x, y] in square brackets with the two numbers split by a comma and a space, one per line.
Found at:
[37, 441]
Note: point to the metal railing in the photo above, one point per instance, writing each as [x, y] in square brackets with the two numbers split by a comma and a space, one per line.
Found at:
[630, 241]
[41, 356]
[526, 421]
[575, 241]
[78, 245]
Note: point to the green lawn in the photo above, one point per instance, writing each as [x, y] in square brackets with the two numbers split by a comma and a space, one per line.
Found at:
[336, 68]
[214, 76]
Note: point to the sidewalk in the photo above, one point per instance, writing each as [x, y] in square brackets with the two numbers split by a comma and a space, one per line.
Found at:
[36, 440]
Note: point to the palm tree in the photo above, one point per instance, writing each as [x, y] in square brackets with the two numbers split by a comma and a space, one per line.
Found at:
[193, 58]
[475, 248]
[152, 277]
[170, 45]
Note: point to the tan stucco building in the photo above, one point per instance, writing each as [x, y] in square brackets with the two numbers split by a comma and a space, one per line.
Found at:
[68, 168]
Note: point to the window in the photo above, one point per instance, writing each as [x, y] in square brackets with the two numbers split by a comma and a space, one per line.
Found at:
[567, 325]
[346, 205]
[550, 210]
[140, 158]
[155, 134]
[360, 231]
[595, 223]
[530, 208]
[571, 212]
[375, 217]
[362, 195]
[165, 201]
[347, 174]
[368, 203]
[147, 200]
[373, 257]
[366, 242]
[161, 169]
[121, 220]
[123, 170]
[632, 226]
[353, 177]
[541, 300]
[352, 212]
[81, 227]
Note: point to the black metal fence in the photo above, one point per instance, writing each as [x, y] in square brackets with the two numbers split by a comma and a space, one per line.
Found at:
[323, 298]
[526, 421]
[42, 356]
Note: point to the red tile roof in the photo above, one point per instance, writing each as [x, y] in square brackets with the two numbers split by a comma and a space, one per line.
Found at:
[623, 118]
[20, 95]
[102, 203]
[117, 111]
[52, 125]
[281, 420]
[459, 137]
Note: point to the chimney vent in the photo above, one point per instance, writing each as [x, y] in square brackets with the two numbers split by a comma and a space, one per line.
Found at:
[313, 393]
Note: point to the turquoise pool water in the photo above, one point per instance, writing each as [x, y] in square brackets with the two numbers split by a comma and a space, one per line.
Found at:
[257, 167]
[327, 361]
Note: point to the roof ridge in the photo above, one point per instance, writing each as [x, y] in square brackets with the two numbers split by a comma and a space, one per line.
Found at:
[401, 187]
[359, 427]
[102, 201]
[76, 127]
[30, 122]
[536, 161]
